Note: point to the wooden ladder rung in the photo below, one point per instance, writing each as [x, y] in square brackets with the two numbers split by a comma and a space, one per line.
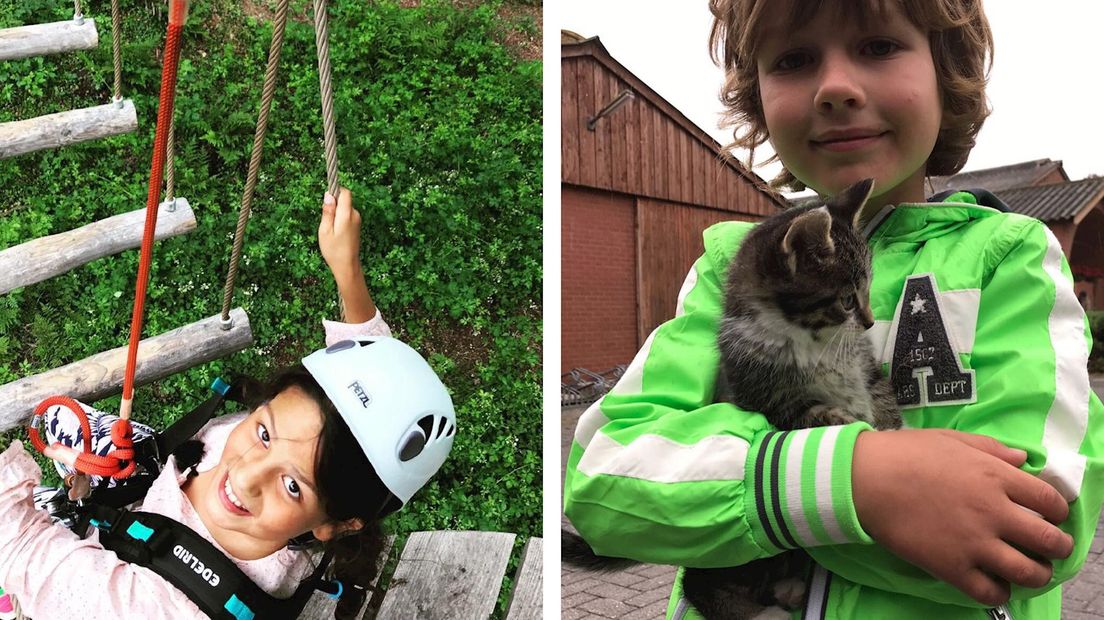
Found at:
[46, 257]
[65, 128]
[101, 375]
[45, 39]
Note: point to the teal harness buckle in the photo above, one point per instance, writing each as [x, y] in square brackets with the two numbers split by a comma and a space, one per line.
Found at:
[138, 531]
[240, 610]
[220, 386]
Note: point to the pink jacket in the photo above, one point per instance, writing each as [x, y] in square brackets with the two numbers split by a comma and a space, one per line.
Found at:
[55, 574]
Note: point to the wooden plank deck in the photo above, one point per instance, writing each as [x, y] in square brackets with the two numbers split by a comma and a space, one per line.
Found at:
[448, 575]
[526, 599]
[453, 575]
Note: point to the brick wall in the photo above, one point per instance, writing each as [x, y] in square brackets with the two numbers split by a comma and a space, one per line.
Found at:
[598, 279]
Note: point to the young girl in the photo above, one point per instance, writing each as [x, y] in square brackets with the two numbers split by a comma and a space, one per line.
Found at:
[977, 325]
[310, 461]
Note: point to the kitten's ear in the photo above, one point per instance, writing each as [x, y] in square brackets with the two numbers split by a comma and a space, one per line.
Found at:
[847, 204]
[809, 233]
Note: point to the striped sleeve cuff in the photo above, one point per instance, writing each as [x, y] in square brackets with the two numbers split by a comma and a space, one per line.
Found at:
[799, 488]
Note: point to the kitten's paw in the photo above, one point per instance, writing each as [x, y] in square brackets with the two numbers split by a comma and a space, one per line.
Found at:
[823, 415]
[790, 593]
[772, 613]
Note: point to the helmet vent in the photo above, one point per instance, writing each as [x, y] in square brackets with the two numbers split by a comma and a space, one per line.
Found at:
[340, 346]
[412, 446]
[427, 425]
[441, 423]
[451, 430]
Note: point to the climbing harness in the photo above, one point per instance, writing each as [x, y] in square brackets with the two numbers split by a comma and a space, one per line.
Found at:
[173, 550]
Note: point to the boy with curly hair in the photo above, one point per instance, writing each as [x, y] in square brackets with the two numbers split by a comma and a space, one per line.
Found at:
[989, 499]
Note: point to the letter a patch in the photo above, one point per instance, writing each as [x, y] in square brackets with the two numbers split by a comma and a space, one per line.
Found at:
[925, 368]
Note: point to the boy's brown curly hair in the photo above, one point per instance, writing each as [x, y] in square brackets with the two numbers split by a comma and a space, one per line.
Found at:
[962, 51]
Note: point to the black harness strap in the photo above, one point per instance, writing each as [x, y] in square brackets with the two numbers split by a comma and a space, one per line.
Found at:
[196, 567]
[186, 427]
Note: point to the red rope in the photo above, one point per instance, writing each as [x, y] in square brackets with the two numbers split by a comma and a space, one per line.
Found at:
[119, 463]
[164, 115]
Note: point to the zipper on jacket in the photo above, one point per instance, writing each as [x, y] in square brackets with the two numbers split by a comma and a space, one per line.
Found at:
[1000, 613]
[876, 221]
[816, 602]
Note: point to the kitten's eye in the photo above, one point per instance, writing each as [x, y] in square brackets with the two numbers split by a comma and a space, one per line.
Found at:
[792, 61]
[848, 302]
[880, 48]
[262, 434]
[292, 487]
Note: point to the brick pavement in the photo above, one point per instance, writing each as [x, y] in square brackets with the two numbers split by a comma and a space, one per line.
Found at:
[640, 593]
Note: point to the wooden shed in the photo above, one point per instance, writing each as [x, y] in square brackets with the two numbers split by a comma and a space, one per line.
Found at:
[640, 182]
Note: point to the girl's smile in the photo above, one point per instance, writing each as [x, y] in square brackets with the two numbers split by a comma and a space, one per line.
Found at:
[262, 492]
[844, 101]
[229, 499]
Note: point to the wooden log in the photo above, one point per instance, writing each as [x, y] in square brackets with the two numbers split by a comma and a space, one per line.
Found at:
[101, 375]
[446, 575]
[45, 39]
[526, 598]
[46, 257]
[322, 607]
[65, 128]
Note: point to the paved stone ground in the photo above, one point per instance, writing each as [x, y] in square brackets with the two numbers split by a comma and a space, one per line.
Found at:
[641, 592]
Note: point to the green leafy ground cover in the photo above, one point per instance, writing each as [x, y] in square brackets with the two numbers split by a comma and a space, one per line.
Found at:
[439, 128]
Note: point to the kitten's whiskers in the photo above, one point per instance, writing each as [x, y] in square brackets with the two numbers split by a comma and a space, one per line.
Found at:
[825, 348]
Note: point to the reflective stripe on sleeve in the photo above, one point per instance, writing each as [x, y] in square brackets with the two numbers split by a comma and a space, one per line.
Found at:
[658, 459]
[1069, 413]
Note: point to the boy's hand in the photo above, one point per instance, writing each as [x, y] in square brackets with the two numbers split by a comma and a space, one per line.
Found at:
[953, 504]
[339, 235]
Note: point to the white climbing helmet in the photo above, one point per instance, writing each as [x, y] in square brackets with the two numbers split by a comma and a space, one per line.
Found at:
[395, 405]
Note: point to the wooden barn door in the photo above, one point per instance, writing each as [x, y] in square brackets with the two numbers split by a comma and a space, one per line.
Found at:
[668, 241]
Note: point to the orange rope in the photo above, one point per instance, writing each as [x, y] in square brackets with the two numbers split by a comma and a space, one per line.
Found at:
[120, 462]
[177, 14]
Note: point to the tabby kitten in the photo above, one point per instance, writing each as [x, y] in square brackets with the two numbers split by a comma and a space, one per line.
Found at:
[797, 301]
[792, 347]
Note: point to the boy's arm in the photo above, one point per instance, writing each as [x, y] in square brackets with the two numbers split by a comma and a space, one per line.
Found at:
[339, 241]
[659, 473]
[1030, 362]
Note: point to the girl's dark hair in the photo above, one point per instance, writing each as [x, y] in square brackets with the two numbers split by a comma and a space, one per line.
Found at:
[347, 483]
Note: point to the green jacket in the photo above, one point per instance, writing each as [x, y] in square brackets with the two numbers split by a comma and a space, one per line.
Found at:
[661, 474]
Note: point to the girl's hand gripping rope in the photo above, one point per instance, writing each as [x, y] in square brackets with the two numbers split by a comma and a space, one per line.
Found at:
[339, 241]
[117, 464]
